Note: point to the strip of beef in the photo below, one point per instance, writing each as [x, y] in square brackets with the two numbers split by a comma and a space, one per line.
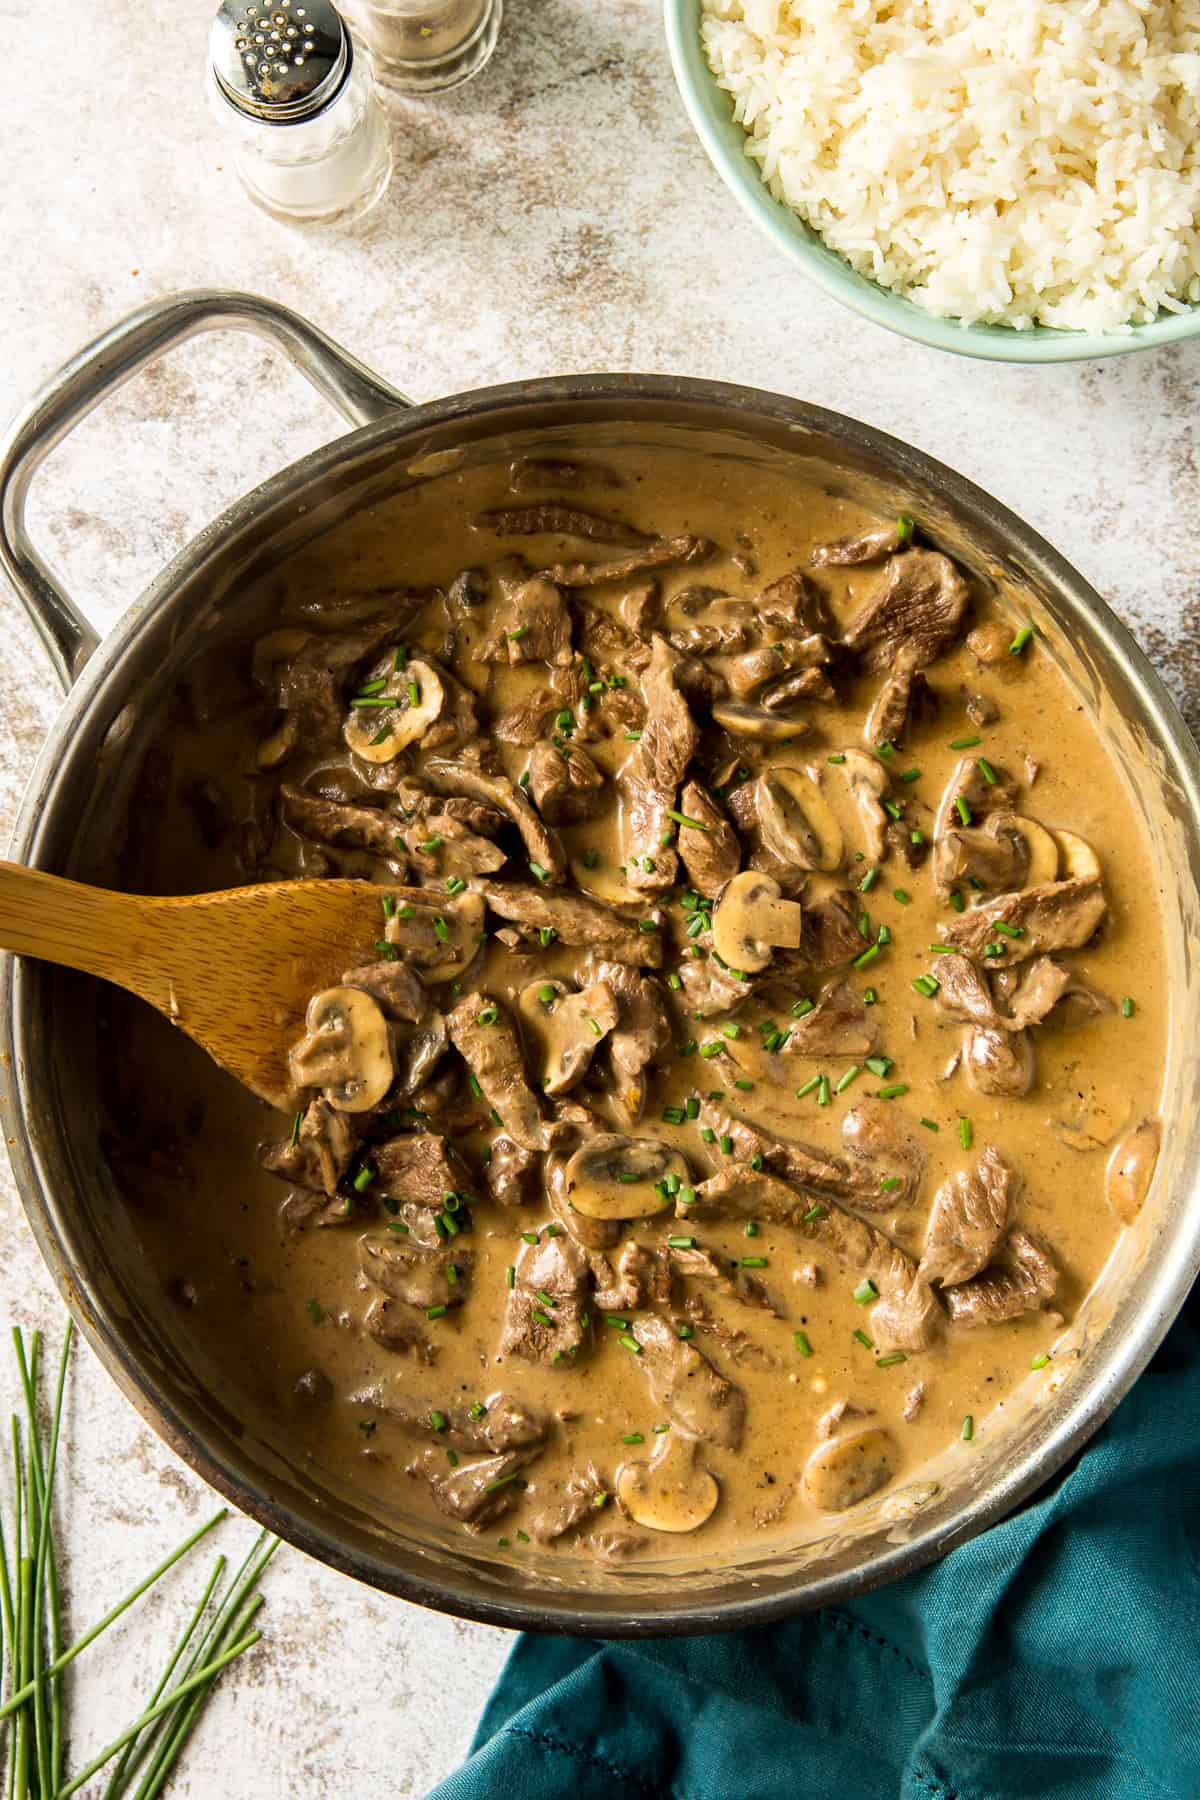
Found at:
[831, 1421]
[965, 994]
[983, 797]
[795, 603]
[709, 847]
[918, 605]
[906, 1316]
[838, 1025]
[657, 555]
[896, 708]
[531, 626]
[466, 776]
[1001, 1063]
[566, 784]
[1040, 988]
[752, 673]
[418, 1167]
[484, 1035]
[398, 990]
[478, 816]
[567, 1033]
[398, 1327]
[709, 989]
[881, 1144]
[416, 1274]
[303, 1207]
[868, 546]
[546, 1317]
[801, 1164]
[441, 848]
[1058, 915]
[736, 1343]
[319, 1153]
[829, 936]
[528, 721]
[534, 474]
[642, 1036]
[968, 1220]
[580, 923]
[513, 1174]
[505, 1423]
[477, 1494]
[642, 1277]
[415, 930]
[699, 1264]
[698, 1401]
[550, 518]
[583, 1494]
[418, 1052]
[1022, 1283]
[654, 772]
[343, 827]
[607, 640]
[993, 858]
[308, 686]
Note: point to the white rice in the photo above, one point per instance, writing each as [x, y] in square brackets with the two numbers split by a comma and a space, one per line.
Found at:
[1016, 161]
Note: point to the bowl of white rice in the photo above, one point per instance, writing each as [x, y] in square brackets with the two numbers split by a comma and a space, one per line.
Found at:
[1012, 179]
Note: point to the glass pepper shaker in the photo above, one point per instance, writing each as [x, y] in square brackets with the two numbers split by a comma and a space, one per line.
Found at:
[426, 46]
[311, 136]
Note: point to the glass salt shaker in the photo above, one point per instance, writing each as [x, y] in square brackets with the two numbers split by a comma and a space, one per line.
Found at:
[311, 136]
[426, 46]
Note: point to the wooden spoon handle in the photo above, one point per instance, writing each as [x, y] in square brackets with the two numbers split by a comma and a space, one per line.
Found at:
[85, 928]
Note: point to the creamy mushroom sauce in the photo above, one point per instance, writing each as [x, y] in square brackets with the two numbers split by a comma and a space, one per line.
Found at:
[816, 1373]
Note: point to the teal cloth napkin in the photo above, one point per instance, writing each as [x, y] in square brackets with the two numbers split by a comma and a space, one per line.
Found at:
[1057, 1657]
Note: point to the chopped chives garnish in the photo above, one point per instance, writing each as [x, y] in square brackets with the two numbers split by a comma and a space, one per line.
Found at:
[673, 981]
[965, 743]
[514, 637]
[633, 737]
[399, 660]
[902, 895]
[888, 1183]
[1019, 642]
[756, 1163]
[889, 1362]
[813, 1213]
[692, 1107]
[929, 1124]
[368, 705]
[823, 1091]
[878, 1065]
[364, 1178]
[489, 1015]
[711, 1049]
[529, 1237]
[1040, 1360]
[746, 1086]
[473, 1084]
[752, 1224]
[314, 1311]
[851, 1074]
[968, 1428]
[633, 1437]
[596, 1028]
[441, 928]
[803, 1092]
[542, 873]
[522, 1537]
[966, 1136]
[546, 936]
[868, 881]
[1127, 1006]
[455, 885]
[647, 925]
[927, 985]
[627, 1176]
[631, 1343]
[1010, 931]
[726, 1145]
[682, 1243]
[887, 748]
[405, 912]
[892, 1093]
[869, 996]
[731, 1031]
[868, 956]
[686, 1196]
[510, 1276]
[543, 1318]
[835, 759]
[501, 1481]
[682, 819]
[986, 770]
[435, 1312]
[590, 858]
[752, 1262]
[905, 526]
[963, 809]
[438, 1420]
[916, 837]
[686, 1331]
[911, 775]
[883, 935]
[708, 1134]
[802, 1007]
[865, 1292]
[864, 925]
[863, 1339]
[396, 1226]
[943, 949]
[957, 901]
[546, 993]
[659, 1429]
[800, 1339]
[673, 1115]
[477, 1409]
[297, 1121]
[546, 1300]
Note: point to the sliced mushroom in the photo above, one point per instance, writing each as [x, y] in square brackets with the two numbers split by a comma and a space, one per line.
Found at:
[273, 648]
[867, 780]
[1130, 1168]
[1042, 847]
[616, 1177]
[603, 881]
[346, 1050]
[379, 733]
[747, 721]
[566, 1027]
[750, 918]
[670, 1491]
[438, 935]
[848, 1470]
[1079, 861]
[795, 822]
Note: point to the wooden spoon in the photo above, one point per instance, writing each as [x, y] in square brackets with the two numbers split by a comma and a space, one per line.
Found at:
[235, 970]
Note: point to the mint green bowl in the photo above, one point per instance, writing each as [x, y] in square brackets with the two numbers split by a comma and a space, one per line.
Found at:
[711, 113]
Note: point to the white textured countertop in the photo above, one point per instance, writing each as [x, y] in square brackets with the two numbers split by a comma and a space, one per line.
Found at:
[555, 216]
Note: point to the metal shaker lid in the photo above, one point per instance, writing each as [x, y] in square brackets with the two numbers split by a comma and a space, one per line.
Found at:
[278, 60]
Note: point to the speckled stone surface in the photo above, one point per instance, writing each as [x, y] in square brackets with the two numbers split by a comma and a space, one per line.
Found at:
[556, 215]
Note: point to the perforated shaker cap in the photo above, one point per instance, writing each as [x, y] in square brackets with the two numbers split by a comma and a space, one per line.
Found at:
[278, 60]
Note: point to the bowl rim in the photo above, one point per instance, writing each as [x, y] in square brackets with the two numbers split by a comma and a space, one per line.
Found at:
[710, 113]
[1095, 1392]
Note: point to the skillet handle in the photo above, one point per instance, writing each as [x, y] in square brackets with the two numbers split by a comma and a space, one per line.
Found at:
[102, 367]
